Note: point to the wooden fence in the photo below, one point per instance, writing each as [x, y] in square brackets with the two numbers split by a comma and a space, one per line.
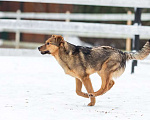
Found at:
[75, 28]
[78, 28]
[115, 3]
[88, 29]
[74, 16]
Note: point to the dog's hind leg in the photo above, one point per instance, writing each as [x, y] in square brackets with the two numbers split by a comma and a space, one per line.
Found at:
[107, 84]
[106, 73]
[88, 85]
[111, 83]
[79, 88]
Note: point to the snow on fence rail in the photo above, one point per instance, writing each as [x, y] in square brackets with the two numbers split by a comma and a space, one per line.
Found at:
[74, 28]
[75, 16]
[117, 3]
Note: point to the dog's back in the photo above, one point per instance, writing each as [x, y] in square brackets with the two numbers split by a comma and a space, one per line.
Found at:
[89, 60]
[94, 58]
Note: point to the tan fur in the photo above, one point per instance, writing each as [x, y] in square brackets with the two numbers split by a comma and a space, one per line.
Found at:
[80, 62]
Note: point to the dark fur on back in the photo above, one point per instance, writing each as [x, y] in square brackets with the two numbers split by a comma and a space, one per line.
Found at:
[82, 58]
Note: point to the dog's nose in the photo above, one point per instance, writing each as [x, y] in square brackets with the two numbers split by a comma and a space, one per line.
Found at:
[39, 48]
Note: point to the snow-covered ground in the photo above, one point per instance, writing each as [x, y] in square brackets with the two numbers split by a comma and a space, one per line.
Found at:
[36, 88]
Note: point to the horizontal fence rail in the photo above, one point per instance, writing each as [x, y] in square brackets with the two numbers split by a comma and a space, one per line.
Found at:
[75, 16]
[75, 28]
[22, 44]
[117, 3]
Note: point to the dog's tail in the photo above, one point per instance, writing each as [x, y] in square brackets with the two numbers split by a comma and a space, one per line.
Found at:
[140, 55]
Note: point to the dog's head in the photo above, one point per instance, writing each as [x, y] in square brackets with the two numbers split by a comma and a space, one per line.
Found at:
[52, 44]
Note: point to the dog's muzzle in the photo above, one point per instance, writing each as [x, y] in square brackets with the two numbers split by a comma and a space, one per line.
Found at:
[43, 52]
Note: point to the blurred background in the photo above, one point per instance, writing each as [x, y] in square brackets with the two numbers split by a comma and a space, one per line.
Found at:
[13, 10]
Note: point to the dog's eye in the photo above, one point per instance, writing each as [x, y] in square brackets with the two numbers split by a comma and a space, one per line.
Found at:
[47, 43]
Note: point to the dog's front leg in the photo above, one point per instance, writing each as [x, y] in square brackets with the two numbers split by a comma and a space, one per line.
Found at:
[79, 88]
[88, 85]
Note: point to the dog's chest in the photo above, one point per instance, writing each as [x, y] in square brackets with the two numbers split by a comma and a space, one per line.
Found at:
[74, 71]
[68, 70]
[66, 67]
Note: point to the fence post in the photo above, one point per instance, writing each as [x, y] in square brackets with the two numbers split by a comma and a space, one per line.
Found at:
[135, 45]
[128, 40]
[67, 20]
[17, 38]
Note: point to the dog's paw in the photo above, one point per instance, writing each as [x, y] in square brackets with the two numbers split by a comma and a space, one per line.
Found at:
[91, 95]
[91, 104]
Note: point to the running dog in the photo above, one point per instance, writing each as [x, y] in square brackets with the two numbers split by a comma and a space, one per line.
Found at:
[80, 62]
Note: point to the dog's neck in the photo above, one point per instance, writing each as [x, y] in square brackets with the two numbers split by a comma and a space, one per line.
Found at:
[60, 55]
[59, 51]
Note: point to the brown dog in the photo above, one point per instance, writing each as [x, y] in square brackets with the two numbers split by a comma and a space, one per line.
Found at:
[80, 62]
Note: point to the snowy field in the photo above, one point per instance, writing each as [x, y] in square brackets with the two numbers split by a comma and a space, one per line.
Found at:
[36, 88]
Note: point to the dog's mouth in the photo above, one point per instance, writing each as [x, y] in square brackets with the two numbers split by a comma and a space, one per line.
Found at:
[45, 52]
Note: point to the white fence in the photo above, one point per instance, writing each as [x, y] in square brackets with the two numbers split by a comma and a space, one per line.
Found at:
[78, 28]
[75, 28]
[117, 3]
[74, 16]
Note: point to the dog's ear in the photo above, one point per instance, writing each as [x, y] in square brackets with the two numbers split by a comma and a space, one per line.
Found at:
[60, 40]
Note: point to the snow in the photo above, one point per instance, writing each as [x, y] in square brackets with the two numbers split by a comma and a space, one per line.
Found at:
[36, 88]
